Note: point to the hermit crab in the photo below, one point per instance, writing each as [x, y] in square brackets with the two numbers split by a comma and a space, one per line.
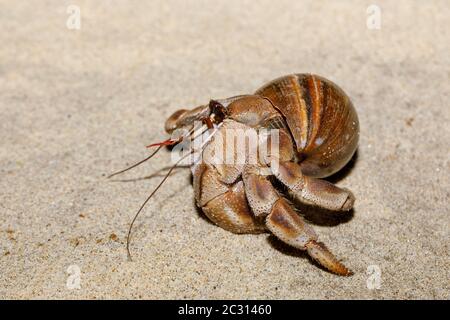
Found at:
[317, 133]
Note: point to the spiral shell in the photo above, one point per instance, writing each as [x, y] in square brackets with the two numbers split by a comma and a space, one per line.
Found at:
[321, 118]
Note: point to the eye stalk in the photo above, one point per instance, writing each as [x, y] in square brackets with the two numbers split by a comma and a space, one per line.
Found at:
[217, 111]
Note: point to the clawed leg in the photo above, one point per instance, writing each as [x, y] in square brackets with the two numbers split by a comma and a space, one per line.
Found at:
[224, 204]
[284, 222]
[313, 191]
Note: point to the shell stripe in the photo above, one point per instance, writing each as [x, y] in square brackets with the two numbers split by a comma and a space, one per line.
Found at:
[299, 101]
[316, 110]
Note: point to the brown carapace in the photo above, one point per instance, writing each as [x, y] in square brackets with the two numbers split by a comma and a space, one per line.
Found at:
[318, 134]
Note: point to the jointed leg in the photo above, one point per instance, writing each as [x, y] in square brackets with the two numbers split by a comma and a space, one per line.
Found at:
[312, 190]
[284, 222]
[223, 204]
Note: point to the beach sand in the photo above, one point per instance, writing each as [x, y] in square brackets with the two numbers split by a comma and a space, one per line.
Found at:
[78, 104]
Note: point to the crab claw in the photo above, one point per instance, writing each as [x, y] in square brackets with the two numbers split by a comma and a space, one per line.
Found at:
[320, 253]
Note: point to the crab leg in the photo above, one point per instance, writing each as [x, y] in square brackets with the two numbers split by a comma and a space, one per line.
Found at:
[313, 191]
[285, 223]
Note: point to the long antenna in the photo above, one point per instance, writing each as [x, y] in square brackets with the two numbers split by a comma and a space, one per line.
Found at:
[167, 142]
[147, 200]
[136, 164]
[161, 183]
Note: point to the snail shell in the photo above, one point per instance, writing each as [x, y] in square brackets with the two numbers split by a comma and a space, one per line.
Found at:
[321, 118]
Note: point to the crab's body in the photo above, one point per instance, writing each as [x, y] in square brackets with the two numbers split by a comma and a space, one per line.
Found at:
[318, 134]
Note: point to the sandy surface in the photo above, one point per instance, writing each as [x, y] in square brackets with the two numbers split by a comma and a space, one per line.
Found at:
[76, 105]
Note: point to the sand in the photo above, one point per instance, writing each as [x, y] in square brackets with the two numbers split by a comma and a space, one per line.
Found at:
[76, 105]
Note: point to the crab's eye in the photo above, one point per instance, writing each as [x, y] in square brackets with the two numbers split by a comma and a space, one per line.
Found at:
[218, 110]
